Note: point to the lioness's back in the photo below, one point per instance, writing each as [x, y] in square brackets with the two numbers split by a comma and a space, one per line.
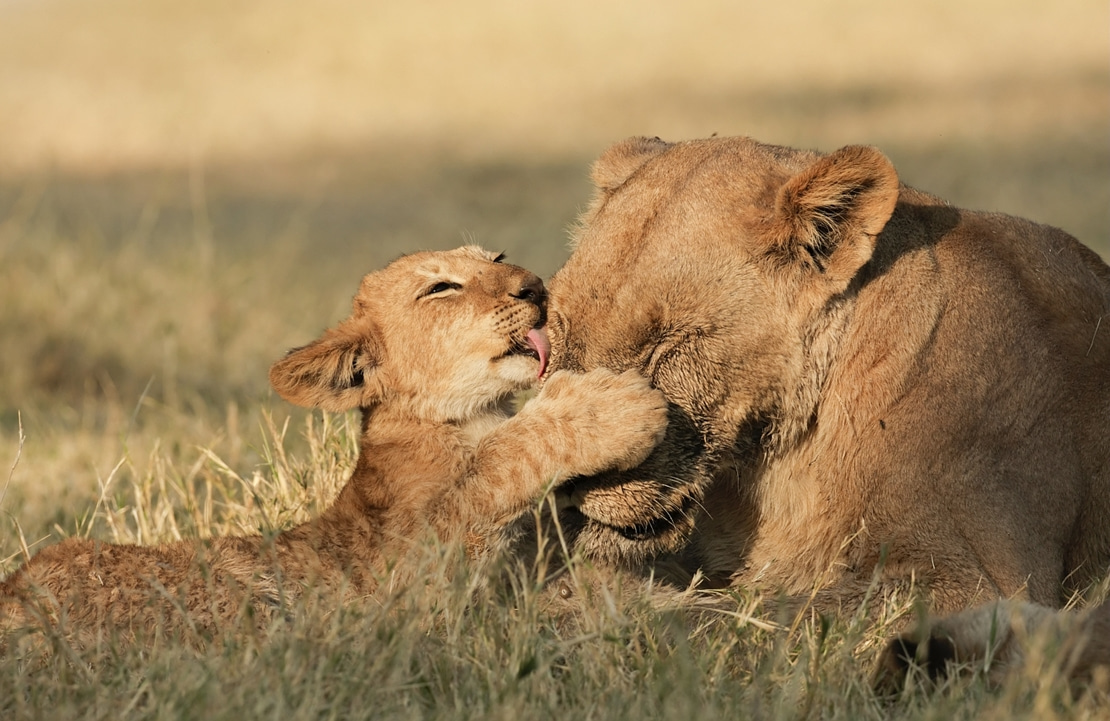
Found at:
[1018, 296]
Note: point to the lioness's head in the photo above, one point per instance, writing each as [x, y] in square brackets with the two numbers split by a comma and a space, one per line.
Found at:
[439, 335]
[715, 268]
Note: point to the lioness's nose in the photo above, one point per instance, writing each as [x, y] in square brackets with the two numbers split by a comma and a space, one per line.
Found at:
[531, 290]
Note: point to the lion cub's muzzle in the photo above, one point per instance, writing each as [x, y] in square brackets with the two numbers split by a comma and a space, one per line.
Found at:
[531, 290]
[534, 341]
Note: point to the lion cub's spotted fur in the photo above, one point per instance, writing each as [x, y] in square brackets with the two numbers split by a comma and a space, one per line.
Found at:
[435, 347]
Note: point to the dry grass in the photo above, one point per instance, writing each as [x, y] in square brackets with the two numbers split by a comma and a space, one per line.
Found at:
[459, 647]
[140, 82]
[189, 189]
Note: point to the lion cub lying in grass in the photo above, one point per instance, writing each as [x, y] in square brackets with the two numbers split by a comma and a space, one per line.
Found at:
[432, 353]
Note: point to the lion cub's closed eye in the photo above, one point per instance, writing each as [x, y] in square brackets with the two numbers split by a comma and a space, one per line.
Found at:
[435, 347]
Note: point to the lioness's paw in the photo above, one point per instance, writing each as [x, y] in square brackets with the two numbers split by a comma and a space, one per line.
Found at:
[617, 419]
[993, 638]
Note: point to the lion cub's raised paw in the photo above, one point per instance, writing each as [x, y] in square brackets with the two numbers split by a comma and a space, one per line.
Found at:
[614, 420]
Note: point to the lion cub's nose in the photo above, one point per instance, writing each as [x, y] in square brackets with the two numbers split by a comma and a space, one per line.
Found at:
[531, 290]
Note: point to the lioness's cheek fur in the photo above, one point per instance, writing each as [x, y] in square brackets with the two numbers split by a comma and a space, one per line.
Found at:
[436, 345]
[865, 373]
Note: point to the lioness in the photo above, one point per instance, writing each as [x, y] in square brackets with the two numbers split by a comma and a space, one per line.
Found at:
[869, 388]
[434, 349]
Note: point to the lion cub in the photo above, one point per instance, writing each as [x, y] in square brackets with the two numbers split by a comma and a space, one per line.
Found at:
[435, 347]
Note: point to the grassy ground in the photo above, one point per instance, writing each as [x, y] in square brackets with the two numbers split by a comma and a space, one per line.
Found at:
[187, 190]
[456, 647]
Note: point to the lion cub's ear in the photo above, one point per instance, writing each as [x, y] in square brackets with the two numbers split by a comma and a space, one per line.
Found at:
[620, 161]
[829, 214]
[336, 372]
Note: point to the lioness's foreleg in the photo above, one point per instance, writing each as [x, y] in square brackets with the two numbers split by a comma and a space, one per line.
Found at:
[998, 638]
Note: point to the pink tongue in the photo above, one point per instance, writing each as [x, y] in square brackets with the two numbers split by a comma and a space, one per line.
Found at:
[537, 341]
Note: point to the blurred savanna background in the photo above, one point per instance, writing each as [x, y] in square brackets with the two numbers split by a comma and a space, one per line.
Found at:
[188, 189]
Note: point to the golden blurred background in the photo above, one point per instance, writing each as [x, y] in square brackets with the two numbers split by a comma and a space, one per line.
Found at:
[187, 189]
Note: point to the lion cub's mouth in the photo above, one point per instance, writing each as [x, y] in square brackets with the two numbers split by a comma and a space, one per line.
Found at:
[536, 345]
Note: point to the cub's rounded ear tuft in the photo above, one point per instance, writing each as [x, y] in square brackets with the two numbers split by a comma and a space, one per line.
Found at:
[617, 164]
[336, 372]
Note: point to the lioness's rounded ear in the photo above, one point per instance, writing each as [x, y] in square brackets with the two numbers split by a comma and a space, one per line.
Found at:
[620, 161]
[336, 372]
[829, 214]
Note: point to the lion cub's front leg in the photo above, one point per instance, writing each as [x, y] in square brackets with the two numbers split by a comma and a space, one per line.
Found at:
[578, 424]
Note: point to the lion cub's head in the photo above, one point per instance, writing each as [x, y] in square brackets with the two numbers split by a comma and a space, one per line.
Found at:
[441, 336]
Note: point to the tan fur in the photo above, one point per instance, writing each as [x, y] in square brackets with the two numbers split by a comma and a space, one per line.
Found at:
[1001, 639]
[871, 390]
[432, 353]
